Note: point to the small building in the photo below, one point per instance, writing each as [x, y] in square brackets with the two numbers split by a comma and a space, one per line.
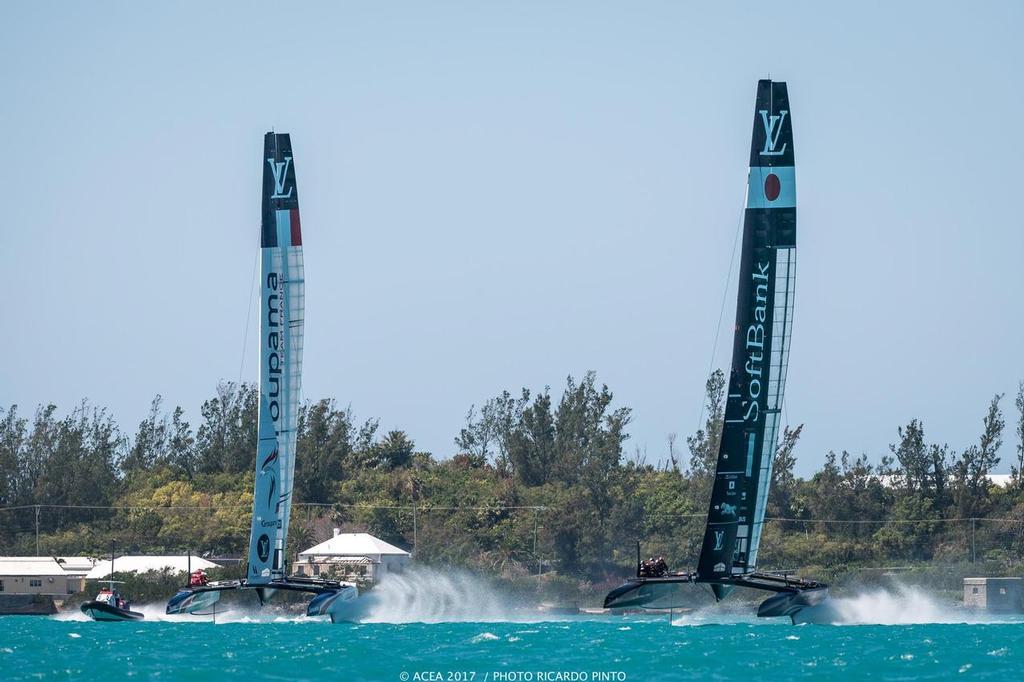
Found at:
[358, 557]
[1002, 595]
[37, 575]
[76, 568]
[173, 563]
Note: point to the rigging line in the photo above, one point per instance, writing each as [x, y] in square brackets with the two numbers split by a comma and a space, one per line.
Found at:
[791, 294]
[785, 410]
[725, 296]
[248, 316]
[785, 417]
[252, 290]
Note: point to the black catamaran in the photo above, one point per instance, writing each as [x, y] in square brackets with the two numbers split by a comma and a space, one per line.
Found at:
[282, 306]
[764, 314]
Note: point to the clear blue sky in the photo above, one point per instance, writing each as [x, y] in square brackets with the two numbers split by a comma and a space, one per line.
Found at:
[501, 194]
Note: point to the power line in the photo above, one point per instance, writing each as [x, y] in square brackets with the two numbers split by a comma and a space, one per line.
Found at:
[430, 507]
[240, 505]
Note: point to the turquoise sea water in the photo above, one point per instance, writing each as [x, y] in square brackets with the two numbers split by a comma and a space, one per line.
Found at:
[577, 650]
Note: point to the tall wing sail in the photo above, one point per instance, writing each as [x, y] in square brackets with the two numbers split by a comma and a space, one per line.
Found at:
[266, 521]
[764, 314]
[282, 305]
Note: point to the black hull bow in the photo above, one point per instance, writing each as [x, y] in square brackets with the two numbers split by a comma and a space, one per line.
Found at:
[792, 597]
[99, 610]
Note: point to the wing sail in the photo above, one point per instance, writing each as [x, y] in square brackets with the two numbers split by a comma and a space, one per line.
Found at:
[266, 517]
[282, 305]
[764, 314]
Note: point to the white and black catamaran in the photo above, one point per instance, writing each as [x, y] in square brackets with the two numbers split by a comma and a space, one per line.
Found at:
[282, 305]
[764, 314]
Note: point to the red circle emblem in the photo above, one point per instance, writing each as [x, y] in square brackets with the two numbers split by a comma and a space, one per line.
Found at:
[772, 187]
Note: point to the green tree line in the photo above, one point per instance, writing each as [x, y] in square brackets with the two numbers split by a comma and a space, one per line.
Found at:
[535, 483]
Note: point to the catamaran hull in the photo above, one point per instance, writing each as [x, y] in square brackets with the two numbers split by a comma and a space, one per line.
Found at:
[102, 611]
[646, 594]
[824, 612]
[331, 598]
[196, 602]
[343, 605]
[803, 601]
[792, 604]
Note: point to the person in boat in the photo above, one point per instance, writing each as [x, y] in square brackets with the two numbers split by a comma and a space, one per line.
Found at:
[198, 578]
[654, 568]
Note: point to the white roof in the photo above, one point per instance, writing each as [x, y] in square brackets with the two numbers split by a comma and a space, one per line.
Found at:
[77, 564]
[29, 565]
[143, 563]
[1000, 480]
[354, 544]
[345, 559]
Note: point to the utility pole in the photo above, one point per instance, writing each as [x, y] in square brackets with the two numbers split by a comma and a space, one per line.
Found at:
[972, 539]
[415, 529]
[535, 539]
[37, 530]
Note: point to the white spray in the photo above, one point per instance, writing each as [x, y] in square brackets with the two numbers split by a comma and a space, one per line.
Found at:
[422, 595]
[901, 605]
[894, 605]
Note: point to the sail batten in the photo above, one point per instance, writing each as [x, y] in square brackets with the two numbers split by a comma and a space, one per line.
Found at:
[764, 318]
[282, 312]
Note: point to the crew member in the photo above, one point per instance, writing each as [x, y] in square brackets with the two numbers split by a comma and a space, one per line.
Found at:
[198, 578]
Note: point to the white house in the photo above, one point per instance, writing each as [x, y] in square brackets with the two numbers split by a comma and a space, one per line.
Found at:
[143, 563]
[352, 556]
[36, 575]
